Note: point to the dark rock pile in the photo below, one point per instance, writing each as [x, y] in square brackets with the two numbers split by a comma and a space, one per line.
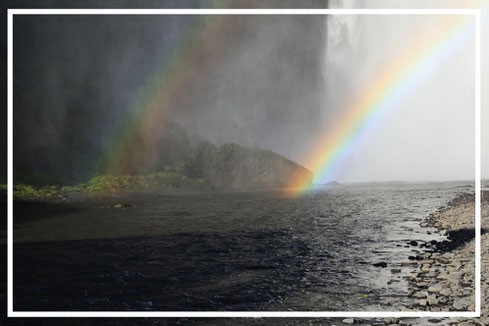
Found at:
[234, 167]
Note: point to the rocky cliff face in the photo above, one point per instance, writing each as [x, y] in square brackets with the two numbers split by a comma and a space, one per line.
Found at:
[232, 166]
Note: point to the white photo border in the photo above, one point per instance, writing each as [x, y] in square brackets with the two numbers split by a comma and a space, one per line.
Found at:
[250, 314]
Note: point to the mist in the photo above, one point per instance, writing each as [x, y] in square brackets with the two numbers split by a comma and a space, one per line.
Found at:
[429, 135]
[454, 156]
[259, 84]
[270, 82]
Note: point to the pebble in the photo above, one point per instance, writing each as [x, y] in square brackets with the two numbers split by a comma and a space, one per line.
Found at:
[432, 300]
[420, 295]
[390, 320]
[122, 205]
[444, 279]
[348, 321]
[462, 303]
[435, 288]
[380, 264]
[466, 323]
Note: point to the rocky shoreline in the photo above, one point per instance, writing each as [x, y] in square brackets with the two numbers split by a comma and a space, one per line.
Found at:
[445, 276]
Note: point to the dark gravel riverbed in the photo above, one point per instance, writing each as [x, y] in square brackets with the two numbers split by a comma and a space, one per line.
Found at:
[343, 248]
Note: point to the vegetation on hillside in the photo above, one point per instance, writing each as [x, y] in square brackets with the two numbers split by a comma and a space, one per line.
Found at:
[229, 166]
[111, 185]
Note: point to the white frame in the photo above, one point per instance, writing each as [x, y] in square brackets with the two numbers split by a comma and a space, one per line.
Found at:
[254, 314]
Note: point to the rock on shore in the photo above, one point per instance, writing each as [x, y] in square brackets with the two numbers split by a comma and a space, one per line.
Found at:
[233, 167]
[444, 280]
[444, 276]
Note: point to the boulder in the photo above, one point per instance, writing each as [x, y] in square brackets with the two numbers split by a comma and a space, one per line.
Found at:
[235, 167]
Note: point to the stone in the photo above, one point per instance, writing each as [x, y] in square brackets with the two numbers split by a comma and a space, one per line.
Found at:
[348, 321]
[462, 303]
[380, 264]
[395, 270]
[232, 166]
[432, 300]
[456, 275]
[390, 320]
[420, 295]
[445, 292]
[466, 323]
[122, 205]
[443, 277]
[434, 321]
[435, 288]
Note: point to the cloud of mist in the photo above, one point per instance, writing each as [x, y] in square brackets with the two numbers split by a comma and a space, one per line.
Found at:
[273, 82]
[260, 84]
[428, 134]
[268, 91]
[75, 79]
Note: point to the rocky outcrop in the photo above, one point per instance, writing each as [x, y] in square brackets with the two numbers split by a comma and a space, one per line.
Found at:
[233, 167]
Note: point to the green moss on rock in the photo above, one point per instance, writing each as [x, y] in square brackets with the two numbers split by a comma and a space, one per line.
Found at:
[111, 185]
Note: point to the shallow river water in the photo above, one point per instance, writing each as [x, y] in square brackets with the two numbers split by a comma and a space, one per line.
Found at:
[226, 251]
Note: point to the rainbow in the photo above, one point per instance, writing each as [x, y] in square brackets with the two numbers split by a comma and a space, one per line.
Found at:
[134, 138]
[394, 80]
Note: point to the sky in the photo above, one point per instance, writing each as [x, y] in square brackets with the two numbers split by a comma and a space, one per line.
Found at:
[276, 83]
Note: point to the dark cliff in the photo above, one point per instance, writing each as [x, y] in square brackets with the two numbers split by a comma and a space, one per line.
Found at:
[232, 167]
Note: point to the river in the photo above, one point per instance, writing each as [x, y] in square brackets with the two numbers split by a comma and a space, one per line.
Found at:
[254, 250]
